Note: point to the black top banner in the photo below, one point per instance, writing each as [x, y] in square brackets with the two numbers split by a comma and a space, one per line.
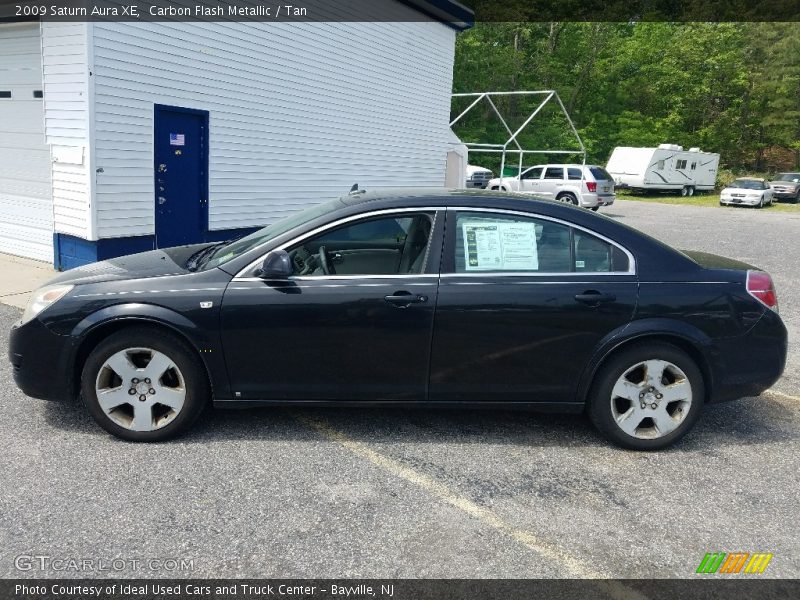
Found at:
[457, 14]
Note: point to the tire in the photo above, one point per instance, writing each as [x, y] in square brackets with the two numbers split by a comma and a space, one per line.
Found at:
[120, 367]
[607, 408]
[690, 191]
[495, 188]
[568, 198]
[595, 208]
[685, 191]
[761, 203]
[796, 197]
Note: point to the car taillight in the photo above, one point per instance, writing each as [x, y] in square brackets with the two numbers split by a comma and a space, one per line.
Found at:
[591, 186]
[760, 287]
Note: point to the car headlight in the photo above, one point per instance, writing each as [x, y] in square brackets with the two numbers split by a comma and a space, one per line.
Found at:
[42, 298]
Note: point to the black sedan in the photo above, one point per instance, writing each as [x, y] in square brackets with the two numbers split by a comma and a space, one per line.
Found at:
[409, 298]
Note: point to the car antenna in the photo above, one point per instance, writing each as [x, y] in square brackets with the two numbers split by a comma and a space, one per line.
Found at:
[354, 190]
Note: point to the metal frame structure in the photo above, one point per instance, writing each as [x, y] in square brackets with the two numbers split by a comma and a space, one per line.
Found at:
[504, 148]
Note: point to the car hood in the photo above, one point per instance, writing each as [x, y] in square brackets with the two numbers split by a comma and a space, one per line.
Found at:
[155, 263]
[714, 261]
[785, 183]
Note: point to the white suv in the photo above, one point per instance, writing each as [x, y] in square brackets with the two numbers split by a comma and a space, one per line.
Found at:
[588, 186]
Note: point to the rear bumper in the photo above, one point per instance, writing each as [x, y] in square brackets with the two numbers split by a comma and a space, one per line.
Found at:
[749, 364]
[591, 199]
[41, 361]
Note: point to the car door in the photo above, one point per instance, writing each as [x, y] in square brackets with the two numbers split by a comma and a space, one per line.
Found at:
[359, 334]
[552, 182]
[530, 180]
[523, 303]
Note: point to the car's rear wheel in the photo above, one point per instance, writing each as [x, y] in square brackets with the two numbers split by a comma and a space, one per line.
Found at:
[647, 397]
[595, 208]
[685, 191]
[568, 198]
[144, 385]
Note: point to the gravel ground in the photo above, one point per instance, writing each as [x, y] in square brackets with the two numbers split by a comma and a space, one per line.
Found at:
[394, 493]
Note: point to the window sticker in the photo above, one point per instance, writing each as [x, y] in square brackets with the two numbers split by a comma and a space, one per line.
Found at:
[177, 139]
[500, 246]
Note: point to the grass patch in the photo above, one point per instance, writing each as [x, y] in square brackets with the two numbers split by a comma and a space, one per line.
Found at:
[702, 200]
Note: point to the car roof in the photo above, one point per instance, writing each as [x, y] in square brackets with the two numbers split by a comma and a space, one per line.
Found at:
[750, 179]
[650, 255]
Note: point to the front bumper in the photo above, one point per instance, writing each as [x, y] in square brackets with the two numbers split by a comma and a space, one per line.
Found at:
[739, 201]
[784, 195]
[41, 361]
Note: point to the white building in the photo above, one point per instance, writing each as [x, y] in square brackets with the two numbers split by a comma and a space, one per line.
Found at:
[120, 137]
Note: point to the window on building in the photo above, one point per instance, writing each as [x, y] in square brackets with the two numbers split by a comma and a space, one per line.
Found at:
[38, 94]
[5, 94]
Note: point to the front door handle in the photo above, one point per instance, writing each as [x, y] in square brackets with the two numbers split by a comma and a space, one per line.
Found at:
[402, 299]
[594, 298]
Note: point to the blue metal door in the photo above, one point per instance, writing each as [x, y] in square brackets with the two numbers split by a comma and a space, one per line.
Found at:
[181, 175]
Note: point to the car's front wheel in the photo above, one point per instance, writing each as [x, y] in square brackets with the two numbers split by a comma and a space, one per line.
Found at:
[647, 397]
[144, 385]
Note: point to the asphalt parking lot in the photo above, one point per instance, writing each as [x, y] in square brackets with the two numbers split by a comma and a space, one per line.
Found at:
[422, 493]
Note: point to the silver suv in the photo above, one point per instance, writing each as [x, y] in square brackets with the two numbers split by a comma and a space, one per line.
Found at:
[589, 186]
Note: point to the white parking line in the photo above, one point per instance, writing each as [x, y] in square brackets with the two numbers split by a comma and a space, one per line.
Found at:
[575, 566]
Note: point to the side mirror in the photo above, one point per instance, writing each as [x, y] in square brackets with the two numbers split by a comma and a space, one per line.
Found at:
[276, 265]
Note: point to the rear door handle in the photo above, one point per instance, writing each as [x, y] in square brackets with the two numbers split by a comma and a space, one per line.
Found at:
[403, 299]
[594, 298]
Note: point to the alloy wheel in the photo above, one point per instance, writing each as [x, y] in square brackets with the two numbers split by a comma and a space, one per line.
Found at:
[140, 389]
[651, 399]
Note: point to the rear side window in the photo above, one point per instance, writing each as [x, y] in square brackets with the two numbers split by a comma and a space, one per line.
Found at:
[498, 243]
[573, 173]
[554, 173]
[593, 255]
[600, 174]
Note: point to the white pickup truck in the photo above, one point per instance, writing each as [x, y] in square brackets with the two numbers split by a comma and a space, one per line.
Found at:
[589, 186]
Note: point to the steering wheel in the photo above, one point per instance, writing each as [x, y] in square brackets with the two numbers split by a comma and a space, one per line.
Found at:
[324, 264]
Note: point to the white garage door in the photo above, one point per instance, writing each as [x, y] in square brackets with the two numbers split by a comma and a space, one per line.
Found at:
[26, 206]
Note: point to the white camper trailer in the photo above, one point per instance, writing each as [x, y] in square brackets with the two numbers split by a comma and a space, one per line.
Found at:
[668, 167]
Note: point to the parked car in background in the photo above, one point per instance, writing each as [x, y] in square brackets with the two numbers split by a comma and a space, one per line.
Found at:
[589, 186]
[747, 191]
[786, 186]
[479, 299]
[478, 177]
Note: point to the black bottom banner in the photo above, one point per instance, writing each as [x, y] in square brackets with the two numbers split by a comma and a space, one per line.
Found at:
[397, 589]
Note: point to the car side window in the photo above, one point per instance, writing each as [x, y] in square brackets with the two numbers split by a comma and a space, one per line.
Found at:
[573, 173]
[496, 242]
[534, 173]
[593, 255]
[554, 173]
[510, 243]
[389, 245]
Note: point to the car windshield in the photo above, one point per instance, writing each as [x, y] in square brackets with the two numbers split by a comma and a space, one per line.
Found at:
[793, 177]
[255, 239]
[747, 184]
